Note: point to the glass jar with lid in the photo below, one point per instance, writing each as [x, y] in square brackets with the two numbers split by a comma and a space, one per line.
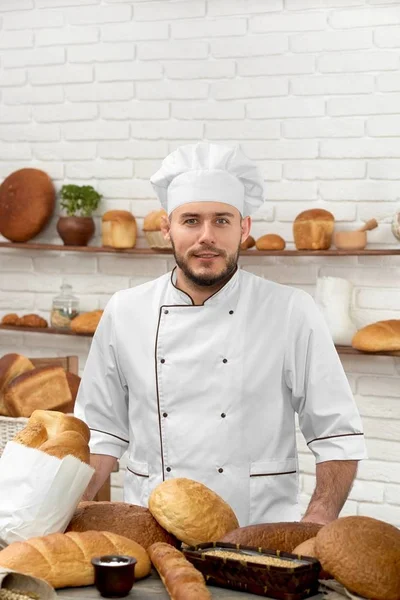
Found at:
[65, 308]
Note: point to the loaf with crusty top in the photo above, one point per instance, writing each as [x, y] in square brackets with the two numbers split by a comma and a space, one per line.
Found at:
[313, 229]
[363, 554]
[181, 579]
[64, 559]
[283, 536]
[130, 520]
[43, 387]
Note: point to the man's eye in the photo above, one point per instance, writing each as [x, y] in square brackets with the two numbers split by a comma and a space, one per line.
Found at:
[190, 221]
[223, 221]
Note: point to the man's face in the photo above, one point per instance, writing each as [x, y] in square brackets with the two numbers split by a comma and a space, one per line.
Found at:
[206, 238]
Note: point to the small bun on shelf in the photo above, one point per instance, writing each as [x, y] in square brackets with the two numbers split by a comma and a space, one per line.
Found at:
[270, 241]
[248, 243]
[86, 322]
[152, 230]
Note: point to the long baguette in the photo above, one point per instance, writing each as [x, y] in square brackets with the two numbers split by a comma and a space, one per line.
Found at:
[180, 578]
[64, 559]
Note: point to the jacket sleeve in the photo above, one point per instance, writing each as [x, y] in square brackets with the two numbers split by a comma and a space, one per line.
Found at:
[102, 400]
[320, 392]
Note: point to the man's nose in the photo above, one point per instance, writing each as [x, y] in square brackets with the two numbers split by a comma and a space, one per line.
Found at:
[207, 234]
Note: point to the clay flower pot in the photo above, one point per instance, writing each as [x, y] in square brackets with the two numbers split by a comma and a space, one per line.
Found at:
[75, 231]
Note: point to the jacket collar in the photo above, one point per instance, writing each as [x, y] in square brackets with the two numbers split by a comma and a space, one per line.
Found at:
[225, 295]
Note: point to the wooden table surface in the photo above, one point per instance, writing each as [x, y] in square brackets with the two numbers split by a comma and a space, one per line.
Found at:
[151, 588]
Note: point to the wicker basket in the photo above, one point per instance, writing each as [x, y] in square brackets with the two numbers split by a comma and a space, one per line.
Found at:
[156, 240]
[9, 427]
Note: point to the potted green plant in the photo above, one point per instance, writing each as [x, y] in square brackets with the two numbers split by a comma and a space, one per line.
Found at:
[79, 202]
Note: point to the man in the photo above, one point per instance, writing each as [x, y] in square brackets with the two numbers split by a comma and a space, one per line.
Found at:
[199, 373]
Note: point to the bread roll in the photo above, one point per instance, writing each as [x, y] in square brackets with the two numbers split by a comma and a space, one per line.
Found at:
[180, 578]
[118, 229]
[191, 511]
[63, 560]
[382, 336]
[152, 221]
[363, 554]
[307, 548]
[86, 322]
[11, 366]
[249, 242]
[32, 320]
[33, 436]
[312, 229]
[10, 319]
[57, 422]
[43, 387]
[56, 434]
[273, 536]
[27, 200]
[69, 443]
[270, 241]
[134, 522]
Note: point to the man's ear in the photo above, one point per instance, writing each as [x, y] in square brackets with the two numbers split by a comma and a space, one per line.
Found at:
[165, 227]
[245, 227]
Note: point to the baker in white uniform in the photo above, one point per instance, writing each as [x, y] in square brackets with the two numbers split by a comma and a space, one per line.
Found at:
[200, 372]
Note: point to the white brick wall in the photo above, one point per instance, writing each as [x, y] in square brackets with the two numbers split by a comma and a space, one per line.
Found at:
[99, 91]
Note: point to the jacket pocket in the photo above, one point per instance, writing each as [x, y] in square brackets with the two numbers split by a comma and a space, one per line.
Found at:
[274, 491]
[136, 488]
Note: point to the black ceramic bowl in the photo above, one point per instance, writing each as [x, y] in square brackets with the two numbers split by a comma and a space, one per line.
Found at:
[114, 574]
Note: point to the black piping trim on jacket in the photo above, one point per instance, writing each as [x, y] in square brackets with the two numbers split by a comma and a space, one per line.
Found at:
[328, 437]
[272, 474]
[138, 474]
[189, 296]
[112, 435]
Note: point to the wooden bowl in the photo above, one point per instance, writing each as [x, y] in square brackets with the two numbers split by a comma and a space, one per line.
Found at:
[350, 240]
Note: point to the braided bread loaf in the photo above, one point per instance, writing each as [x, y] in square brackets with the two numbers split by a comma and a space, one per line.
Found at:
[64, 559]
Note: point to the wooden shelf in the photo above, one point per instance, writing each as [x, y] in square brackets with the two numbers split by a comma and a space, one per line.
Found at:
[51, 330]
[150, 252]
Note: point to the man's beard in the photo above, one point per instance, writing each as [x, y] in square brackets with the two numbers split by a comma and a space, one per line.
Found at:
[206, 280]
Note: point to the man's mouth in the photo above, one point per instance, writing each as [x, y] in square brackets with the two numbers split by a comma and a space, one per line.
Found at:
[206, 255]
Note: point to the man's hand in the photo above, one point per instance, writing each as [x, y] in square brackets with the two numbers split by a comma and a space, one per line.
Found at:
[103, 465]
[333, 484]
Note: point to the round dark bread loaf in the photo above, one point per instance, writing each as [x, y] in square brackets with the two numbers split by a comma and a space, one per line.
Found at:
[273, 536]
[132, 521]
[27, 201]
[363, 554]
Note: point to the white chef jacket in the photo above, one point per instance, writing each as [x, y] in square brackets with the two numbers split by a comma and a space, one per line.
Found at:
[210, 392]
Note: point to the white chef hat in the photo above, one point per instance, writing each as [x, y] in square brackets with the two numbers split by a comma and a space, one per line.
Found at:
[204, 171]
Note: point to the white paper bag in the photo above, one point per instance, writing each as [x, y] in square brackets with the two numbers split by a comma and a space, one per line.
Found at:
[38, 492]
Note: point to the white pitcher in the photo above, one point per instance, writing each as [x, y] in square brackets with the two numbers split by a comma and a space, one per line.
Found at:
[333, 296]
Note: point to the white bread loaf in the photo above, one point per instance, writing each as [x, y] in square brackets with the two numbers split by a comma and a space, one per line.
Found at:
[118, 228]
[11, 366]
[312, 229]
[191, 511]
[181, 579]
[64, 559]
[382, 336]
[42, 387]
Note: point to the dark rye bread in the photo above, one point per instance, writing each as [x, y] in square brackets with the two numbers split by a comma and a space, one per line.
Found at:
[363, 554]
[273, 536]
[132, 521]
